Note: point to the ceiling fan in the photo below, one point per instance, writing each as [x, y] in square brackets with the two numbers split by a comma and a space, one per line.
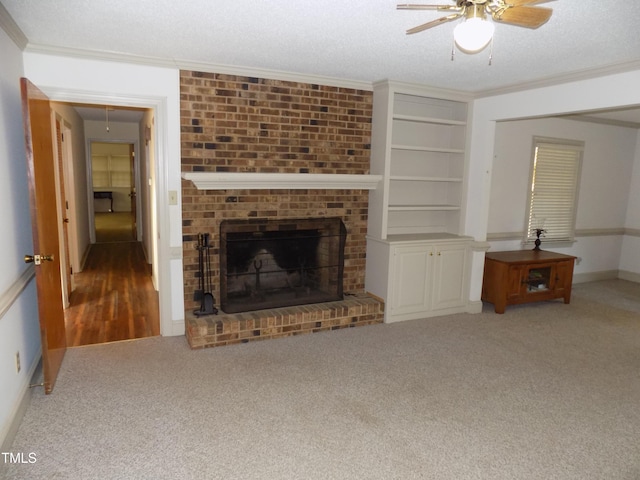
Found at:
[475, 32]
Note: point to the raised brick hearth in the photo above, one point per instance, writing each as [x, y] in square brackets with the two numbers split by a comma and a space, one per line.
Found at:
[228, 329]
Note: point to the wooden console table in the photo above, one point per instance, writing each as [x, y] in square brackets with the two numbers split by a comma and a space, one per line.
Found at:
[523, 276]
[107, 195]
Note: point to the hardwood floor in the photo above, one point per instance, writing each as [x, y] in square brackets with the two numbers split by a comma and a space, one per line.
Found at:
[114, 297]
[114, 227]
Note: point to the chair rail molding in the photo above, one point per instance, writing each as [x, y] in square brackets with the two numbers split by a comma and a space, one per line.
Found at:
[8, 297]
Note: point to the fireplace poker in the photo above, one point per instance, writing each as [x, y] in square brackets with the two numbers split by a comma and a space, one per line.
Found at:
[257, 264]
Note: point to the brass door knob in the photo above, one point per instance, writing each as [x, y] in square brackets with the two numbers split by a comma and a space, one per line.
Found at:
[38, 259]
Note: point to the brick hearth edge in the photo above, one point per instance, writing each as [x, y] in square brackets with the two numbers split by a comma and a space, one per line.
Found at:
[228, 329]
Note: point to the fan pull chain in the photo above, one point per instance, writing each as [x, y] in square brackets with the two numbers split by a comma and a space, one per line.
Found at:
[453, 49]
[491, 51]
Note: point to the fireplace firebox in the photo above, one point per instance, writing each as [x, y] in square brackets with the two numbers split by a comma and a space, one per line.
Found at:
[277, 263]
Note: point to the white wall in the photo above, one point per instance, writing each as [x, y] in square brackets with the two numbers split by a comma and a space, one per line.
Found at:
[607, 164]
[79, 214]
[105, 82]
[630, 256]
[19, 328]
[607, 91]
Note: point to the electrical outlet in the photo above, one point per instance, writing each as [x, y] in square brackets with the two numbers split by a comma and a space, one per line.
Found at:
[17, 362]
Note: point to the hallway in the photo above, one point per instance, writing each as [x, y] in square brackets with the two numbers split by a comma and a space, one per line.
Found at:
[114, 297]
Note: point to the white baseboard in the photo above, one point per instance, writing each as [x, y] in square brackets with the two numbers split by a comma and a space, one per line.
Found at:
[474, 306]
[630, 276]
[177, 328]
[8, 432]
[85, 255]
[606, 275]
[595, 276]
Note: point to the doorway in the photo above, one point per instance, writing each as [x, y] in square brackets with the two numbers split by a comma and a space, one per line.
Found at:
[114, 179]
[114, 297]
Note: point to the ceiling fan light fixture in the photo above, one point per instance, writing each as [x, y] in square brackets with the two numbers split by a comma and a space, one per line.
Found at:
[475, 32]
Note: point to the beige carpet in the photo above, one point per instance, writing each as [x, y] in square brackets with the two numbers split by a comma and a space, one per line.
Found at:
[545, 391]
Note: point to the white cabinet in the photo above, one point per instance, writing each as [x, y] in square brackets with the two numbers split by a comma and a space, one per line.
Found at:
[410, 274]
[417, 262]
[421, 275]
[450, 276]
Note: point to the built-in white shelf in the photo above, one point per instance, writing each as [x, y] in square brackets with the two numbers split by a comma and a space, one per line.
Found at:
[416, 148]
[406, 178]
[285, 181]
[419, 119]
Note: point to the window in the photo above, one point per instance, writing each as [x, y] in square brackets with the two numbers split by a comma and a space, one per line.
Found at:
[111, 165]
[554, 189]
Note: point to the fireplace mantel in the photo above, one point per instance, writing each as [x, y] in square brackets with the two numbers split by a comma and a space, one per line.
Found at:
[295, 181]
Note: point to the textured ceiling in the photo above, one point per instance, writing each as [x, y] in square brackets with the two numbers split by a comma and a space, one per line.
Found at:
[346, 39]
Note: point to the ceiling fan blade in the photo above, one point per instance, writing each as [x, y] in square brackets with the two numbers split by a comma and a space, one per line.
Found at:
[416, 6]
[425, 26]
[520, 3]
[524, 16]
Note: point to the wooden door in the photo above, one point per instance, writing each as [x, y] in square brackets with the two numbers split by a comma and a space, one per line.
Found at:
[134, 223]
[38, 130]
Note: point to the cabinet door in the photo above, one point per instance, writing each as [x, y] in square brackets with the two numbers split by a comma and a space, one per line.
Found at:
[563, 277]
[411, 266]
[515, 287]
[449, 276]
[539, 279]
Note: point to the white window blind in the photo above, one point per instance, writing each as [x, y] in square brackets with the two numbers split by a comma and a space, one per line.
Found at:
[554, 189]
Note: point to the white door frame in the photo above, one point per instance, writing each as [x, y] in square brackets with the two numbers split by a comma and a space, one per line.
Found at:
[136, 183]
[163, 252]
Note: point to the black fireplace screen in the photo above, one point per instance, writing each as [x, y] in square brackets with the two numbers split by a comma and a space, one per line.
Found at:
[278, 263]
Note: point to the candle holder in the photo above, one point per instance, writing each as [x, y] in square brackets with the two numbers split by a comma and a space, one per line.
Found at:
[539, 231]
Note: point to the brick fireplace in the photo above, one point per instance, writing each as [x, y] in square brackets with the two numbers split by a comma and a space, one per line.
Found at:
[252, 125]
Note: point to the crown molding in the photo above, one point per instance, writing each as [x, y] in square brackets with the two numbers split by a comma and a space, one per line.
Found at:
[601, 121]
[12, 29]
[245, 71]
[274, 75]
[99, 55]
[587, 74]
[420, 89]
[200, 66]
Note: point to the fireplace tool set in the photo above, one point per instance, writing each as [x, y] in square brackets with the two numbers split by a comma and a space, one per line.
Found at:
[206, 285]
